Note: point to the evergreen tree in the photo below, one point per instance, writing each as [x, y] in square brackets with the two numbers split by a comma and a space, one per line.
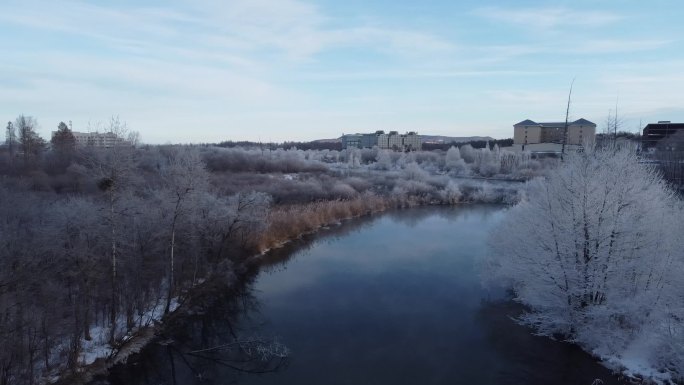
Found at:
[10, 140]
[63, 144]
[30, 143]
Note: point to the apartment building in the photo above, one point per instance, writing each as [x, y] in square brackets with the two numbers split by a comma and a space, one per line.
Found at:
[96, 139]
[410, 141]
[530, 132]
[655, 132]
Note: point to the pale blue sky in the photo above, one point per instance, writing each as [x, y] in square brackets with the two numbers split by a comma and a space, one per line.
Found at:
[211, 70]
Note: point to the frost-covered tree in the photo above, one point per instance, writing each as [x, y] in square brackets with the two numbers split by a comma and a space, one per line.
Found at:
[454, 162]
[230, 223]
[353, 157]
[10, 138]
[412, 171]
[467, 153]
[510, 161]
[452, 193]
[31, 144]
[383, 161]
[185, 178]
[487, 162]
[594, 251]
[114, 171]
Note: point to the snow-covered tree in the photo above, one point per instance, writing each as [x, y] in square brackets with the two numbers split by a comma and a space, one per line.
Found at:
[383, 161]
[453, 161]
[452, 193]
[353, 157]
[412, 171]
[594, 251]
[232, 222]
[487, 162]
[114, 172]
[467, 153]
[31, 144]
[185, 178]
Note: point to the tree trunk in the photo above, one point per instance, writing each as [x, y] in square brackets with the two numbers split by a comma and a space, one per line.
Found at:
[46, 345]
[114, 301]
[171, 267]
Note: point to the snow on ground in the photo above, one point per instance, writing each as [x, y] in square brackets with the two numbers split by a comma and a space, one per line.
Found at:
[637, 367]
[636, 361]
[98, 346]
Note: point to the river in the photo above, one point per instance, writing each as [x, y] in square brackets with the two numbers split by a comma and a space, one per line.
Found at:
[390, 299]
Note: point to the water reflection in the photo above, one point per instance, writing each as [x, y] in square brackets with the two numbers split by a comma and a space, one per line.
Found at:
[217, 342]
[389, 299]
[528, 359]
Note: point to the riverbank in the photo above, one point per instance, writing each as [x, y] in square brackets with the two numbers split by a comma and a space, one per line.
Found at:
[284, 225]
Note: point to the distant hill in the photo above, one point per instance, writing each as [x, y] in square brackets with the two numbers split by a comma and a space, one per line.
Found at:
[428, 139]
[457, 139]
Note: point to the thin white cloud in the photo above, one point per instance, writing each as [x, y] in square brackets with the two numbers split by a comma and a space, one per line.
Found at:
[646, 92]
[295, 29]
[143, 75]
[417, 74]
[568, 46]
[524, 97]
[544, 18]
[387, 40]
[606, 46]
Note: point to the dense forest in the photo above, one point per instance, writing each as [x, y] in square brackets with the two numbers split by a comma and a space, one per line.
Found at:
[101, 242]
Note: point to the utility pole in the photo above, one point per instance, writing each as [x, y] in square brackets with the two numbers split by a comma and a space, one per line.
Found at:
[565, 127]
[640, 133]
[9, 134]
[11, 138]
[615, 123]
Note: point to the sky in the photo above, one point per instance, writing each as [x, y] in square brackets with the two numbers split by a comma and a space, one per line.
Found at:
[275, 70]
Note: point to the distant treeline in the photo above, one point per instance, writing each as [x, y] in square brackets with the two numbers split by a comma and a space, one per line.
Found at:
[336, 145]
[473, 143]
[620, 134]
[314, 145]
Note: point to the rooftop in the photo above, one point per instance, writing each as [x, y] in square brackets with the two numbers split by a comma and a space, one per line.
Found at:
[528, 122]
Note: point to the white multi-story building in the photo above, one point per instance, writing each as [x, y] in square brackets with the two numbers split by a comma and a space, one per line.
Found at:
[352, 141]
[96, 139]
[394, 141]
[410, 141]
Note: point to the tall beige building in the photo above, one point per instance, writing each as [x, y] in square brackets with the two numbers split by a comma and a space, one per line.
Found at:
[530, 132]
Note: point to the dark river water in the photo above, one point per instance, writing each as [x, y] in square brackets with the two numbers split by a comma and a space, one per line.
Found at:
[392, 299]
